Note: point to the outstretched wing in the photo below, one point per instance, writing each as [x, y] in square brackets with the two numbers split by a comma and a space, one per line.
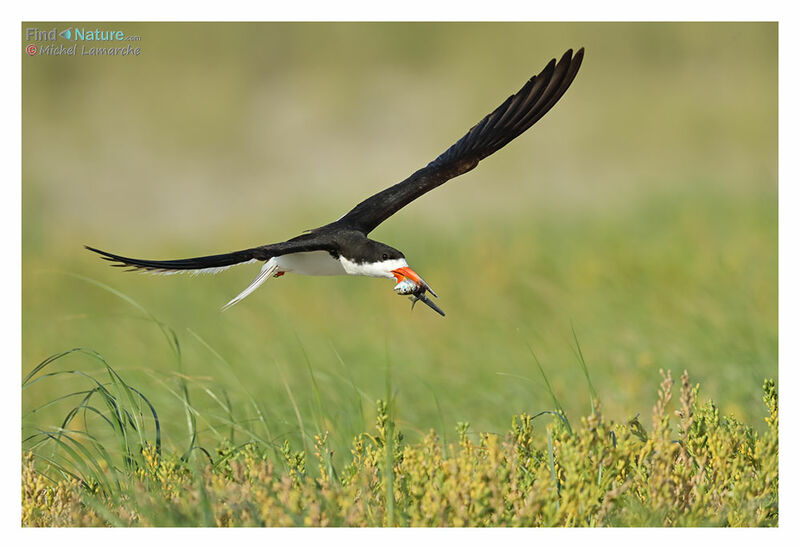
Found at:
[517, 113]
[216, 263]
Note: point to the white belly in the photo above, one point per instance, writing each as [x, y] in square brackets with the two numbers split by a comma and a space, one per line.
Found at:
[311, 263]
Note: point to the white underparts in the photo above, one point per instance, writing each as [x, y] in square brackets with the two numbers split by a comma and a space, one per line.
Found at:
[318, 263]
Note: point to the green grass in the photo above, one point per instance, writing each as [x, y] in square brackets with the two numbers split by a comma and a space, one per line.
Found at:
[710, 470]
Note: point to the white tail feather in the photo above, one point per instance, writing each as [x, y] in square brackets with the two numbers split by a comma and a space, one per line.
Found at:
[269, 269]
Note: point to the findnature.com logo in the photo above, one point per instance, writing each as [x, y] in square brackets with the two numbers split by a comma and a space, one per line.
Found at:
[78, 36]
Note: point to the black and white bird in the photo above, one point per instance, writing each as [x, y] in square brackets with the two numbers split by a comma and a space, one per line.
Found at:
[342, 247]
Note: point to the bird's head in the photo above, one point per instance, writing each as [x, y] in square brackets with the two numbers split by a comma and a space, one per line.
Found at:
[380, 260]
[388, 262]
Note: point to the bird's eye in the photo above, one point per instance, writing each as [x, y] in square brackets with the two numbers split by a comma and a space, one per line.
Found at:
[385, 256]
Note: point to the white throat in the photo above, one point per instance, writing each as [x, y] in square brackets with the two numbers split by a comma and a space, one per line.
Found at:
[381, 269]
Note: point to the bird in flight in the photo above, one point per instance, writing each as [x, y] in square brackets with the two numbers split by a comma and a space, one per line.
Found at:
[342, 247]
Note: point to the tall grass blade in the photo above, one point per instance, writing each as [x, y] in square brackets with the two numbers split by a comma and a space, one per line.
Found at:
[318, 411]
[441, 418]
[582, 362]
[168, 333]
[82, 459]
[559, 408]
[358, 393]
[82, 450]
[296, 409]
[231, 371]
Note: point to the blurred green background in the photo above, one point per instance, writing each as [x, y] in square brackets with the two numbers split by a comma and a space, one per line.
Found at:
[642, 209]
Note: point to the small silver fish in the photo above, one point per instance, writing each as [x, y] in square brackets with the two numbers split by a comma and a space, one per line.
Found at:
[416, 292]
[406, 287]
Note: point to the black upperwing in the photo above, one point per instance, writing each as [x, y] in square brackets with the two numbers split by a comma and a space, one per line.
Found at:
[517, 113]
[215, 263]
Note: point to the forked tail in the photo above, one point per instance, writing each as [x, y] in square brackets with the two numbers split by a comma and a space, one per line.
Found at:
[194, 265]
[269, 269]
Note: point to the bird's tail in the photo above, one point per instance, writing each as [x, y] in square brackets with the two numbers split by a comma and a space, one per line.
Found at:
[193, 265]
[269, 269]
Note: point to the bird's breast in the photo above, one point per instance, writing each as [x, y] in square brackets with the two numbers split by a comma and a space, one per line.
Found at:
[319, 263]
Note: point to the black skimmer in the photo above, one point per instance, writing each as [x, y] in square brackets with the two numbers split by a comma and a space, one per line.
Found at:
[342, 247]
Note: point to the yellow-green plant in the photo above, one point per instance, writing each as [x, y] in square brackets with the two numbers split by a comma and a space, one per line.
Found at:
[709, 471]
